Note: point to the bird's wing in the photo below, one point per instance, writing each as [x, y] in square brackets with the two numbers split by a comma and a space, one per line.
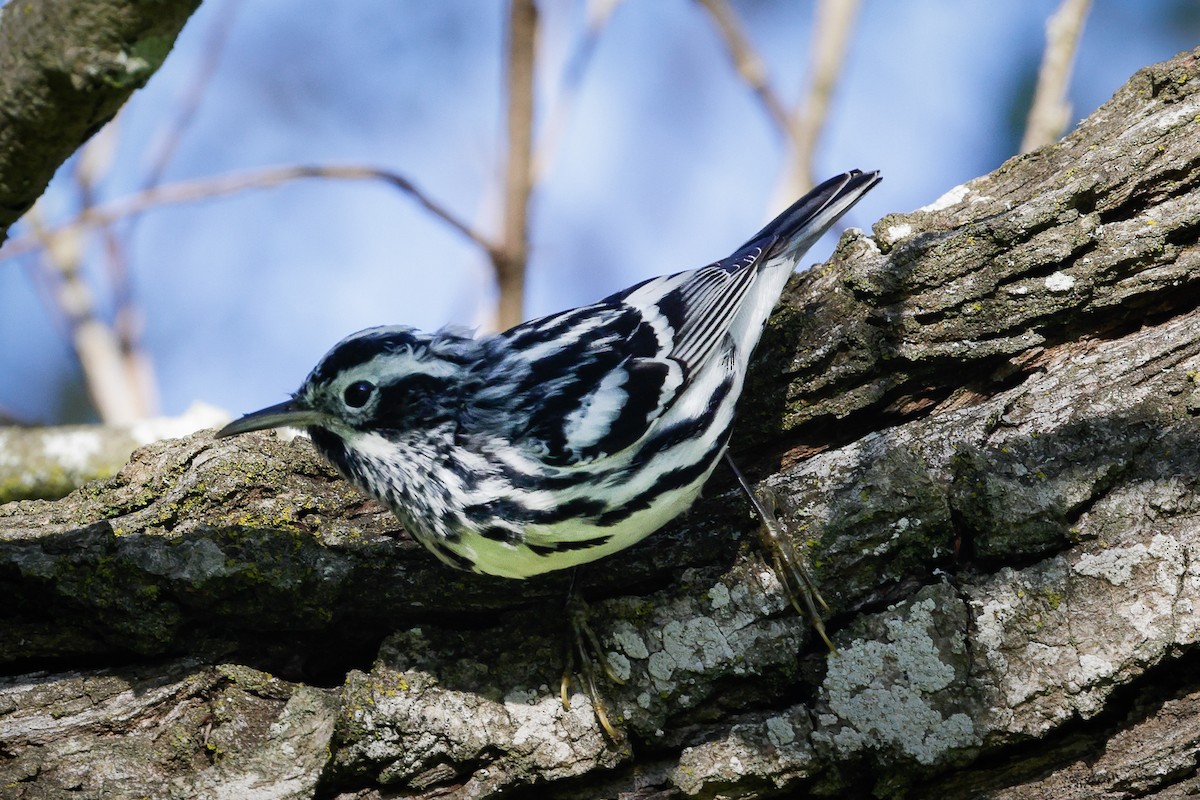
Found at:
[595, 379]
[692, 311]
[592, 381]
[585, 383]
[696, 309]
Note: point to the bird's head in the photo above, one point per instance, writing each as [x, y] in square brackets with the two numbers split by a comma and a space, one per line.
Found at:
[378, 381]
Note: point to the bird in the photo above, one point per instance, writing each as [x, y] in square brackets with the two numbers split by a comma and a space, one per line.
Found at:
[566, 438]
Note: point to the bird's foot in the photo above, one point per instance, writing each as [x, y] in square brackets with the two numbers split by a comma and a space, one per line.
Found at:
[790, 565]
[582, 646]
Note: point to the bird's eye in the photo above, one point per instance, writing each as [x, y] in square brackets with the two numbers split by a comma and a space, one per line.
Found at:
[358, 393]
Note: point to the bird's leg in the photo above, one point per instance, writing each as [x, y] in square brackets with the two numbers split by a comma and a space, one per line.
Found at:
[790, 565]
[582, 645]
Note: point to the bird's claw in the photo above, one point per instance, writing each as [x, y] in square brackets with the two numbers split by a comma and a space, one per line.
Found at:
[582, 647]
[789, 564]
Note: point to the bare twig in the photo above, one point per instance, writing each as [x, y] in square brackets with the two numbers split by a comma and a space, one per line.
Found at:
[831, 36]
[749, 65]
[127, 317]
[207, 188]
[1050, 111]
[95, 344]
[172, 133]
[512, 254]
[599, 12]
[801, 127]
[134, 368]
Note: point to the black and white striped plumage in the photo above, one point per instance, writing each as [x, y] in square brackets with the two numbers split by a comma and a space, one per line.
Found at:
[566, 438]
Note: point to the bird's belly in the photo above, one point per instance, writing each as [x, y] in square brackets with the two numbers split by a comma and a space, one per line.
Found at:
[547, 548]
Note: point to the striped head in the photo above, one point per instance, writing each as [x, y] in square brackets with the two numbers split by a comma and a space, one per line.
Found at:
[379, 405]
[390, 379]
[380, 379]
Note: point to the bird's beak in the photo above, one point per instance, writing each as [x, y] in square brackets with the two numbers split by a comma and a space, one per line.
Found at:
[283, 415]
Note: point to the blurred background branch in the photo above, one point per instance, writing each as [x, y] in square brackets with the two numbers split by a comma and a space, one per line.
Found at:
[176, 126]
[511, 256]
[558, 115]
[193, 191]
[833, 28]
[94, 341]
[800, 126]
[117, 372]
[749, 66]
[1050, 112]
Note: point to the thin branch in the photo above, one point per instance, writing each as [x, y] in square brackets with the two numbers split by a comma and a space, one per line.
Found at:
[95, 344]
[208, 188]
[801, 127]
[172, 133]
[512, 255]
[127, 317]
[749, 65]
[832, 28]
[599, 12]
[1050, 111]
[134, 367]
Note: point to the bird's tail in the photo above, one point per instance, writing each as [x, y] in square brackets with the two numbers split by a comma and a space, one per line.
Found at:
[795, 230]
[776, 249]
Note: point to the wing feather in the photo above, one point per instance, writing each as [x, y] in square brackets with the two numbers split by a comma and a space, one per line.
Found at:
[594, 385]
[705, 301]
[591, 382]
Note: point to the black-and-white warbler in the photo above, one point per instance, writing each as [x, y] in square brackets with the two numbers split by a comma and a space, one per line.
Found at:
[565, 438]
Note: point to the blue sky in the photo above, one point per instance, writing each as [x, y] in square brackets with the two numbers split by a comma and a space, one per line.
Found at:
[667, 162]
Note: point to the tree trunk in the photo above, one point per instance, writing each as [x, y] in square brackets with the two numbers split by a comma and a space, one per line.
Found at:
[981, 421]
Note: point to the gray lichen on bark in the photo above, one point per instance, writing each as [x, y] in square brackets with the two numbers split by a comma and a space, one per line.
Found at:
[981, 421]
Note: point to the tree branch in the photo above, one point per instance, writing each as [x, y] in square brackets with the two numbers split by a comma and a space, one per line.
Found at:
[511, 256]
[599, 12]
[832, 30]
[1049, 113]
[801, 127]
[747, 62]
[208, 188]
[66, 67]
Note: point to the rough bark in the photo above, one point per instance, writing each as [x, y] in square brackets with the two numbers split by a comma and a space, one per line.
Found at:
[982, 422]
[66, 67]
